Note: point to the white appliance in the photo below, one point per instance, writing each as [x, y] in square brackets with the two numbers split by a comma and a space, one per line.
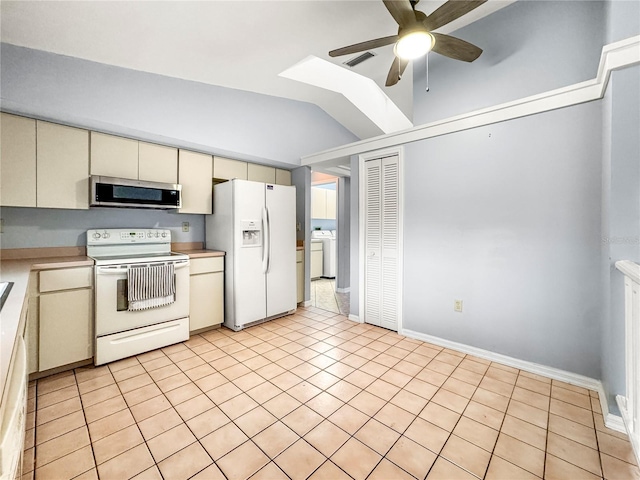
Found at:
[255, 224]
[328, 239]
[119, 332]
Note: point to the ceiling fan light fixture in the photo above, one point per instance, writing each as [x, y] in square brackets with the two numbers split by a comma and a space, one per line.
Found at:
[414, 45]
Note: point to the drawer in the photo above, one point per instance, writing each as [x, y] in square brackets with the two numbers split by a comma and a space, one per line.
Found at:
[299, 256]
[316, 246]
[65, 279]
[206, 265]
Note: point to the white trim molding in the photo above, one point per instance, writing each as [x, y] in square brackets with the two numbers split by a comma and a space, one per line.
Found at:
[355, 318]
[629, 403]
[611, 421]
[615, 56]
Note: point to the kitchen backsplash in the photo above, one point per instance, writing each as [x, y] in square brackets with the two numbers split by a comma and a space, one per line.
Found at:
[44, 227]
[323, 224]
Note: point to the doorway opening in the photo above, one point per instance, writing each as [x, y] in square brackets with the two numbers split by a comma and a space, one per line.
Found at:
[327, 285]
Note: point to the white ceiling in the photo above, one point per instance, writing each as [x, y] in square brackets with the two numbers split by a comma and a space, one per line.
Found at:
[238, 44]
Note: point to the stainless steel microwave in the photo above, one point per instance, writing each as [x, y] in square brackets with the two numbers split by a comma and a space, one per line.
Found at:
[124, 192]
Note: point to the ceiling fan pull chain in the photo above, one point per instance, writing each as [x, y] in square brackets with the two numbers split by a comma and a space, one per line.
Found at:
[426, 61]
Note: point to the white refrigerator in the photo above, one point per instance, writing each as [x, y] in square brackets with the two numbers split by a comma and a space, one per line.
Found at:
[255, 224]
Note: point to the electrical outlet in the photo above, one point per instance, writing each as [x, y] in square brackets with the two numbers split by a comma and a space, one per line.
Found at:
[185, 226]
[457, 305]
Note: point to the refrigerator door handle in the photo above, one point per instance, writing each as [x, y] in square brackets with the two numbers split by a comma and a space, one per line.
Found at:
[266, 243]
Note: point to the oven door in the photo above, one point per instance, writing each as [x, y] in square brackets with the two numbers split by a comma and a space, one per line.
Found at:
[111, 303]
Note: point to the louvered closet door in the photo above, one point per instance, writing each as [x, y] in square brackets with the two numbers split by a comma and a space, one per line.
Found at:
[382, 204]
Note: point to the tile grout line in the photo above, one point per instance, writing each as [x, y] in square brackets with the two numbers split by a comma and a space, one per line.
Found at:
[275, 335]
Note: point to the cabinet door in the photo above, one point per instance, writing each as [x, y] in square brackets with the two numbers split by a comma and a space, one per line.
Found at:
[114, 156]
[226, 169]
[316, 263]
[261, 173]
[331, 204]
[157, 163]
[283, 177]
[65, 334]
[195, 172]
[17, 161]
[206, 306]
[300, 281]
[63, 166]
[318, 202]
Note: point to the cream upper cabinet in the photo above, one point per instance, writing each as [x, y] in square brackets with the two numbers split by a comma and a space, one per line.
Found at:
[261, 173]
[63, 166]
[227, 169]
[283, 177]
[157, 163]
[17, 161]
[318, 202]
[323, 203]
[195, 171]
[114, 156]
[331, 204]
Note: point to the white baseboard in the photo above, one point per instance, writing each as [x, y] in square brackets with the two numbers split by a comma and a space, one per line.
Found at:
[306, 303]
[343, 290]
[611, 421]
[355, 318]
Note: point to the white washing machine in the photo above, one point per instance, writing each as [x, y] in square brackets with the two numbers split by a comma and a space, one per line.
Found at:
[328, 238]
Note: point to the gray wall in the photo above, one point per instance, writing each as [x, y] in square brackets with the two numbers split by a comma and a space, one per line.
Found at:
[507, 218]
[223, 121]
[529, 47]
[301, 178]
[343, 242]
[47, 227]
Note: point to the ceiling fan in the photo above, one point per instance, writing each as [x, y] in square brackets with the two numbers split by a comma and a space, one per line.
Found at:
[416, 36]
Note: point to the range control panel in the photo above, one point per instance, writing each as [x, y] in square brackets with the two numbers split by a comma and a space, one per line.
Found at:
[119, 236]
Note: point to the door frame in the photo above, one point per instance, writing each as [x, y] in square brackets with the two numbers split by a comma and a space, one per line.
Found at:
[386, 152]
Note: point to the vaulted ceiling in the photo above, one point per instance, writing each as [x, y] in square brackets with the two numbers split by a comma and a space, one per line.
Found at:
[238, 44]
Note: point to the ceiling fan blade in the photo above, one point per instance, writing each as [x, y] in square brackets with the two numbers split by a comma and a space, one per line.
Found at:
[401, 11]
[450, 11]
[455, 48]
[395, 72]
[362, 46]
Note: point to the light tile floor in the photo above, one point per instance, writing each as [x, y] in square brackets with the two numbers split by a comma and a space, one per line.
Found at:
[324, 296]
[314, 395]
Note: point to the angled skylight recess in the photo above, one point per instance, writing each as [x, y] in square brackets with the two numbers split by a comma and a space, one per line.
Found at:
[363, 92]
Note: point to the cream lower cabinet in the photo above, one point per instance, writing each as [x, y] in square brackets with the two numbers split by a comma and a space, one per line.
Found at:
[300, 275]
[65, 333]
[316, 259]
[206, 296]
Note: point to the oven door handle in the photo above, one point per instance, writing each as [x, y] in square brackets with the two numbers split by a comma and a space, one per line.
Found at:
[120, 269]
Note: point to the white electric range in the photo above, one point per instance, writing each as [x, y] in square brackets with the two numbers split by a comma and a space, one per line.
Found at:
[119, 331]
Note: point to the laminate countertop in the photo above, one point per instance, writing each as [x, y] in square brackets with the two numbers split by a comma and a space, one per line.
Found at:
[17, 272]
[201, 253]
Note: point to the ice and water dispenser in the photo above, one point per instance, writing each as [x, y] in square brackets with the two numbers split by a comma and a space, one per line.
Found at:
[251, 233]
